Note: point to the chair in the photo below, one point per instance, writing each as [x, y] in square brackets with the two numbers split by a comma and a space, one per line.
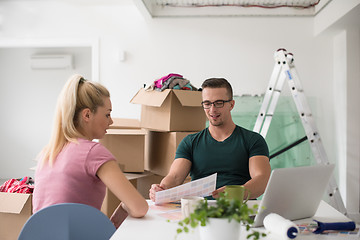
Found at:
[67, 221]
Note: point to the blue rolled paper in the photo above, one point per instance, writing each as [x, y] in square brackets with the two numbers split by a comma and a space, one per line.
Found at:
[339, 226]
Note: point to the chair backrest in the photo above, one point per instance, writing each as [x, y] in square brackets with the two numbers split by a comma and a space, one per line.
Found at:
[68, 221]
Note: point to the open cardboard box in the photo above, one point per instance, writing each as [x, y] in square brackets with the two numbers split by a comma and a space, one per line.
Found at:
[171, 110]
[15, 210]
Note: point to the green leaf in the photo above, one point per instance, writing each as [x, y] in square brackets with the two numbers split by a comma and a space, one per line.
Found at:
[228, 209]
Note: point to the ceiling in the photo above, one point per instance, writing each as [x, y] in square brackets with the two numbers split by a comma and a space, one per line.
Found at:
[230, 8]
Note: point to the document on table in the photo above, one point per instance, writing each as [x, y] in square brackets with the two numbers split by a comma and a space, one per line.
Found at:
[202, 187]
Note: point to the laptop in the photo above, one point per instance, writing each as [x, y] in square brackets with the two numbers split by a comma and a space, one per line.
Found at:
[294, 193]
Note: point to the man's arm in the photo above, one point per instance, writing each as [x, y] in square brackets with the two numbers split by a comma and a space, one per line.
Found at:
[178, 172]
[260, 169]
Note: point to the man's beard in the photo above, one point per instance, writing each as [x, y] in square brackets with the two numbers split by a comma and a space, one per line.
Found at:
[216, 123]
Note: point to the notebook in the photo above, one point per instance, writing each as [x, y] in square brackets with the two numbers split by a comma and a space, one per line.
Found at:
[294, 193]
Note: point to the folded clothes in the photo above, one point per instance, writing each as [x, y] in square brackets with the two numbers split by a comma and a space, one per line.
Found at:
[167, 83]
[159, 82]
[340, 226]
[181, 82]
[186, 87]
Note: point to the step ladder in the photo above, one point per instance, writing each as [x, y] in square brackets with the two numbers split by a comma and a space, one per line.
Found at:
[285, 69]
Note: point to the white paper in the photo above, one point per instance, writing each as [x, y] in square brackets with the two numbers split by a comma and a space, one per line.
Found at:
[202, 187]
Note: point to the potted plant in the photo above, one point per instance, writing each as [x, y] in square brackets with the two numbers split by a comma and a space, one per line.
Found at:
[213, 219]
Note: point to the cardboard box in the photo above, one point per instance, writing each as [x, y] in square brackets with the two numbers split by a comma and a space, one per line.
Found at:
[144, 184]
[171, 110]
[160, 150]
[110, 203]
[141, 181]
[127, 146]
[125, 123]
[15, 210]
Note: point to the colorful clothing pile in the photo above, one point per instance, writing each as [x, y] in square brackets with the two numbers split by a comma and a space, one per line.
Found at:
[172, 81]
[23, 185]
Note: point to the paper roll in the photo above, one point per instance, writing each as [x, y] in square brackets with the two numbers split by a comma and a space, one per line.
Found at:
[280, 226]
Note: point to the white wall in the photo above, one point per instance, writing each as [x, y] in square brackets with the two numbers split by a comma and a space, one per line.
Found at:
[340, 21]
[27, 102]
[347, 111]
[239, 49]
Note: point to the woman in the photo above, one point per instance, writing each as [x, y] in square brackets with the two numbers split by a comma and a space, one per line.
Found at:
[73, 168]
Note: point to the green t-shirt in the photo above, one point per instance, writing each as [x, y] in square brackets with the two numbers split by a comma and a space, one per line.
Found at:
[229, 158]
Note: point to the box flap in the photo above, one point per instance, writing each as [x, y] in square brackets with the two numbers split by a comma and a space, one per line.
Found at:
[121, 123]
[150, 98]
[132, 176]
[13, 202]
[189, 98]
[125, 132]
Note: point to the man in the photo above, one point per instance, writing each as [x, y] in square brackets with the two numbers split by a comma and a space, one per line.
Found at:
[237, 155]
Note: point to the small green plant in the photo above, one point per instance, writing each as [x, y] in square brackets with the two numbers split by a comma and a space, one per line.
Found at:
[231, 209]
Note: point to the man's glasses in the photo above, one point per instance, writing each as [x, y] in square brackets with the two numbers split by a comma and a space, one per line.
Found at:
[217, 104]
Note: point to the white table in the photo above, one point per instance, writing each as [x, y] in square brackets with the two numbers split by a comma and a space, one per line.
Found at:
[154, 226]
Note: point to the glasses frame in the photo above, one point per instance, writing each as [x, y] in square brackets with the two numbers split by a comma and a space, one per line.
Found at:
[213, 103]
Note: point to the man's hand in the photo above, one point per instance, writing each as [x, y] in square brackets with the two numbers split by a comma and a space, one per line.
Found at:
[215, 194]
[155, 188]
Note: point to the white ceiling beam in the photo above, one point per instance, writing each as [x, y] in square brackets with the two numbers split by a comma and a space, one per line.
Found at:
[218, 8]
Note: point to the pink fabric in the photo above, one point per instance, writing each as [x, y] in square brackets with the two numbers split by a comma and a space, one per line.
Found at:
[72, 178]
[158, 83]
[17, 186]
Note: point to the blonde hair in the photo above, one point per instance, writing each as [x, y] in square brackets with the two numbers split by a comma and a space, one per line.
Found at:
[77, 94]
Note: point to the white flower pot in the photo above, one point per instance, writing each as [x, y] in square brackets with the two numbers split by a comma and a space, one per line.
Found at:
[220, 229]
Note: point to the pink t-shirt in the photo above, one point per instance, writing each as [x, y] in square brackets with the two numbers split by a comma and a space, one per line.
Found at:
[72, 178]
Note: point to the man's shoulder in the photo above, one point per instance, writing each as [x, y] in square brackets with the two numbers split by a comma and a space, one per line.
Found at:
[247, 133]
[198, 134]
[193, 136]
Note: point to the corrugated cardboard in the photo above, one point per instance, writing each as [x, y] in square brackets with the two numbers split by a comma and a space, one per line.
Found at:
[160, 150]
[127, 146]
[171, 110]
[15, 210]
[125, 123]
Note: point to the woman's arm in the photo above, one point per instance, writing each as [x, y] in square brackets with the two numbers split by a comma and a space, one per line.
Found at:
[132, 201]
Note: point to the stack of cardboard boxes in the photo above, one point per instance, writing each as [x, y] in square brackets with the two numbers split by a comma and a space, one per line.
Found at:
[168, 117]
[146, 149]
